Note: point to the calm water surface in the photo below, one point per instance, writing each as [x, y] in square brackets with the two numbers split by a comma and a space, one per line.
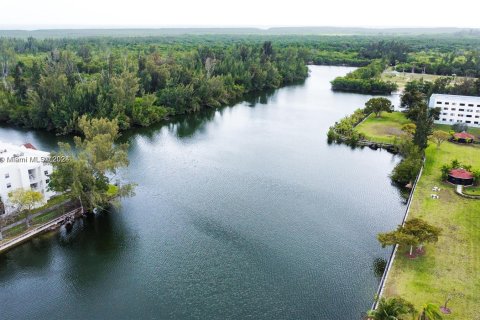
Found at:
[240, 213]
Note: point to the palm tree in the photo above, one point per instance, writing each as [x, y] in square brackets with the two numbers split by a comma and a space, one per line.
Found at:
[430, 311]
[393, 308]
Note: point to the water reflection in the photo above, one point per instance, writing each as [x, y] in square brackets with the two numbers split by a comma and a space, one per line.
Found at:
[240, 212]
[34, 255]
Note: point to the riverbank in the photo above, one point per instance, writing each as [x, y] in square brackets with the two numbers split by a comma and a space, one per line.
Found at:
[36, 230]
[41, 220]
[384, 129]
[232, 218]
[450, 267]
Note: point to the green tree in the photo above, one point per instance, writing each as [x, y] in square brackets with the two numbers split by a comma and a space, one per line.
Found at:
[25, 201]
[19, 82]
[414, 232]
[424, 125]
[398, 237]
[422, 231]
[392, 308]
[88, 171]
[439, 136]
[378, 105]
[407, 170]
[409, 129]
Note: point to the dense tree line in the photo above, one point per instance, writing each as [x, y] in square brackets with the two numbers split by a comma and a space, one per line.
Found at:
[137, 85]
[415, 140]
[460, 63]
[365, 80]
[50, 83]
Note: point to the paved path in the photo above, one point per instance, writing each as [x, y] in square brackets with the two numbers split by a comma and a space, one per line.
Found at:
[38, 230]
[22, 221]
[459, 191]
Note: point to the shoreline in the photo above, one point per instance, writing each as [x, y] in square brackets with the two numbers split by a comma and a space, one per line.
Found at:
[51, 225]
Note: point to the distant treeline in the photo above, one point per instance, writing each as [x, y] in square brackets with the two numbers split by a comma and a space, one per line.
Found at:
[445, 85]
[49, 83]
[135, 84]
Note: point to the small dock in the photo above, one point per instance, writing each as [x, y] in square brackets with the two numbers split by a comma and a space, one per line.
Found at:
[68, 217]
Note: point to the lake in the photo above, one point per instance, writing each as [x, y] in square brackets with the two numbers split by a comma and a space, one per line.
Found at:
[245, 212]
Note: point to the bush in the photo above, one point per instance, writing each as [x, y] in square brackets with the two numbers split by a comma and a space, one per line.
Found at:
[459, 127]
[407, 170]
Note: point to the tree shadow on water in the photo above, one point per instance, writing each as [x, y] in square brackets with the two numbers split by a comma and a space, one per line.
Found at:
[95, 246]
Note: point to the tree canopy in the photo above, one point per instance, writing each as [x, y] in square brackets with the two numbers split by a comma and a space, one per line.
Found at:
[88, 171]
[378, 105]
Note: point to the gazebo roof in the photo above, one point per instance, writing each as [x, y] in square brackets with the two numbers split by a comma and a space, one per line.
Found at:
[461, 174]
[464, 135]
[29, 146]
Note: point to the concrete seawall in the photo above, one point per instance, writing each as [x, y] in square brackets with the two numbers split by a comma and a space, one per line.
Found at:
[381, 286]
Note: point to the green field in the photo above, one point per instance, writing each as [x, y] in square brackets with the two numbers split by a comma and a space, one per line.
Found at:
[384, 129]
[447, 128]
[401, 79]
[451, 266]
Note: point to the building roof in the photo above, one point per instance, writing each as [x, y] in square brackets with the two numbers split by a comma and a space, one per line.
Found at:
[461, 174]
[464, 135]
[448, 97]
[29, 146]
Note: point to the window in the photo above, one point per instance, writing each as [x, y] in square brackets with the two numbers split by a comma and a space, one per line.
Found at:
[453, 109]
[462, 104]
[476, 122]
[445, 108]
[477, 116]
[46, 172]
[7, 175]
[461, 109]
[459, 121]
[454, 104]
[447, 103]
[451, 120]
[469, 115]
[468, 121]
[444, 114]
[470, 104]
[9, 185]
[460, 115]
[452, 114]
[439, 102]
[444, 119]
[47, 181]
[469, 110]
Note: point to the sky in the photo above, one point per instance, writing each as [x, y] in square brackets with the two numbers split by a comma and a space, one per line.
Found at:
[39, 14]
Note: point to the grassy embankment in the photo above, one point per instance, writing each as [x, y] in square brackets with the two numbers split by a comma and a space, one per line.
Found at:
[451, 266]
[389, 126]
[383, 129]
[47, 215]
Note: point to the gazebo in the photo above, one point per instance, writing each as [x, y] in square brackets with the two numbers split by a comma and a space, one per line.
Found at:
[460, 176]
[463, 137]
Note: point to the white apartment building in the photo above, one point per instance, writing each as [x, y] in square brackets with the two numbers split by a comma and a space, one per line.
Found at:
[23, 167]
[455, 109]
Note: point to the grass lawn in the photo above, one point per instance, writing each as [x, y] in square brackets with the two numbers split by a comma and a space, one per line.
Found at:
[474, 191]
[383, 129]
[453, 264]
[447, 128]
